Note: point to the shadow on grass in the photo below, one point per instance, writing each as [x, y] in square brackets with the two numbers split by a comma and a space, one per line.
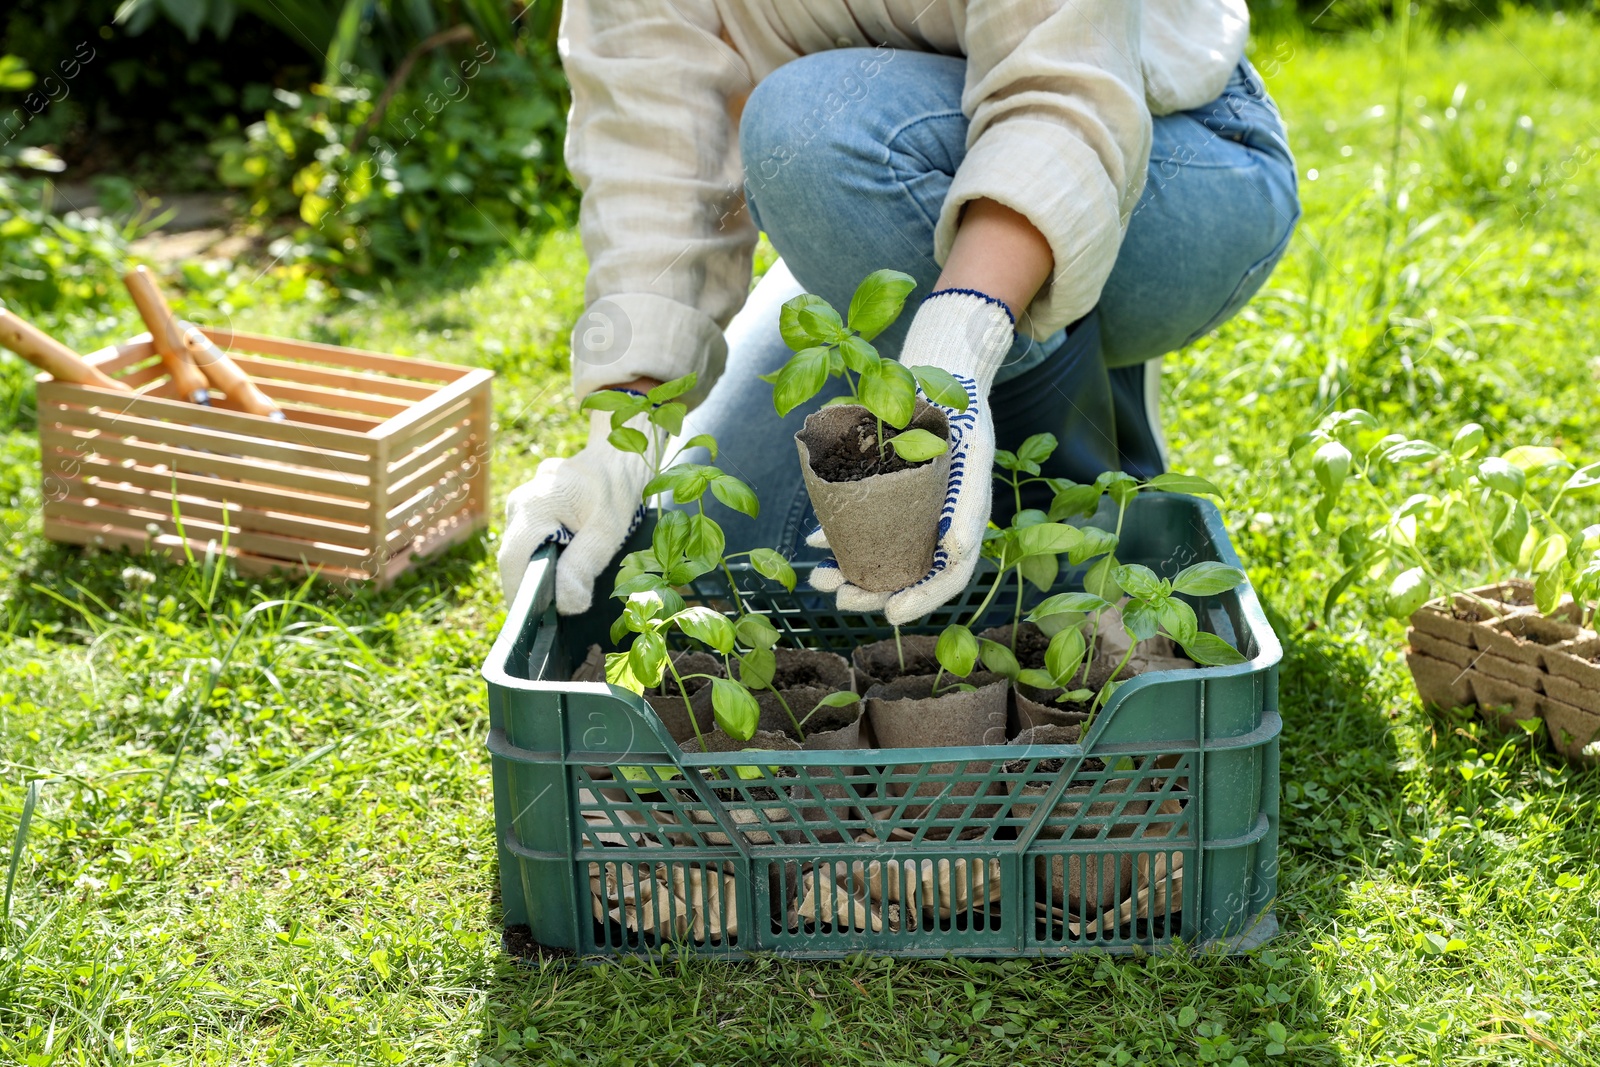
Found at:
[55, 587]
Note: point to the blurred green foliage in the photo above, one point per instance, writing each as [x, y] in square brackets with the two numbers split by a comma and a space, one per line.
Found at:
[466, 154]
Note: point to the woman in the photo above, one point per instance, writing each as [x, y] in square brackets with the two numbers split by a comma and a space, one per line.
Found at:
[1078, 186]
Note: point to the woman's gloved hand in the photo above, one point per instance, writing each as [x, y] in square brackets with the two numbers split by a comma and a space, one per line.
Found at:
[968, 334]
[588, 502]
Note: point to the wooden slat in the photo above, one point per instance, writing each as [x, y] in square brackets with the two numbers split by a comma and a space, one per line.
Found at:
[338, 356]
[73, 533]
[97, 471]
[448, 512]
[267, 371]
[431, 497]
[113, 359]
[171, 409]
[431, 471]
[423, 410]
[335, 400]
[289, 549]
[199, 437]
[248, 519]
[261, 471]
[454, 437]
[452, 529]
[421, 433]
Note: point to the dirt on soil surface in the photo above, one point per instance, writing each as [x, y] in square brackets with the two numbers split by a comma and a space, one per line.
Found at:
[1030, 647]
[854, 456]
[688, 663]
[800, 668]
[518, 941]
[1053, 766]
[825, 719]
[881, 660]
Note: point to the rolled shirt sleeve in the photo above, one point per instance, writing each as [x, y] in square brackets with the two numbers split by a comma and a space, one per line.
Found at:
[652, 148]
[1059, 132]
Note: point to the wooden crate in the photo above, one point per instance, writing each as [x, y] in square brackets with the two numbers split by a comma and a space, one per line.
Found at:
[382, 460]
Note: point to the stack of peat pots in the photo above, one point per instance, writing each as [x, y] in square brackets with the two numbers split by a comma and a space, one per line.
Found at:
[1491, 647]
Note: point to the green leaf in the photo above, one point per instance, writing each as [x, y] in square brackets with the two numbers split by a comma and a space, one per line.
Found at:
[998, 658]
[1142, 619]
[841, 699]
[878, 300]
[734, 708]
[957, 650]
[1075, 500]
[704, 543]
[941, 387]
[1583, 479]
[670, 535]
[672, 390]
[703, 440]
[1503, 477]
[794, 334]
[1511, 533]
[1207, 579]
[1549, 552]
[1139, 582]
[1412, 452]
[1467, 440]
[769, 564]
[1532, 459]
[800, 379]
[706, 626]
[1047, 538]
[1006, 460]
[1041, 571]
[1177, 618]
[735, 494]
[1036, 678]
[667, 597]
[756, 668]
[1100, 578]
[917, 445]
[857, 354]
[1063, 603]
[1548, 588]
[756, 631]
[889, 392]
[1095, 542]
[1037, 448]
[1064, 655]
[627, 439]
[614, 400]
[1212, 650]
[670, 417]
[647, 658]
[619, 671]
[1331, 465]
[822, 322]
[1183, 483]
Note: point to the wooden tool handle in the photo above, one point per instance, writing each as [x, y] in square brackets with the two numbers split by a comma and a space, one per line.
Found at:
[51, 356]
[166, 333]
[225, 373]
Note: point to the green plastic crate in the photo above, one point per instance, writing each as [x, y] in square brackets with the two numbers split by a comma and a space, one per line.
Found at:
[1169, 833]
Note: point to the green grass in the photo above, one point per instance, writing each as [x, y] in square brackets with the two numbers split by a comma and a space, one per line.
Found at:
[263, 831]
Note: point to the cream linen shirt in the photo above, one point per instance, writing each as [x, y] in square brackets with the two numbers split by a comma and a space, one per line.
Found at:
[1059, 95]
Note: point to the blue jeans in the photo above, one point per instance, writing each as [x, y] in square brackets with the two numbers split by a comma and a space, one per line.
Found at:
[848, 156]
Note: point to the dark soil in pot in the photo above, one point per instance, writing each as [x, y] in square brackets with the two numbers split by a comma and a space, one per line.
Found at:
[797, 667]
[881, 514]
[882, 661]
[667, 699]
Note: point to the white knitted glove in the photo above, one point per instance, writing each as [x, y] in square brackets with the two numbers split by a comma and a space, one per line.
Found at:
[968, 334]
[589, 503]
